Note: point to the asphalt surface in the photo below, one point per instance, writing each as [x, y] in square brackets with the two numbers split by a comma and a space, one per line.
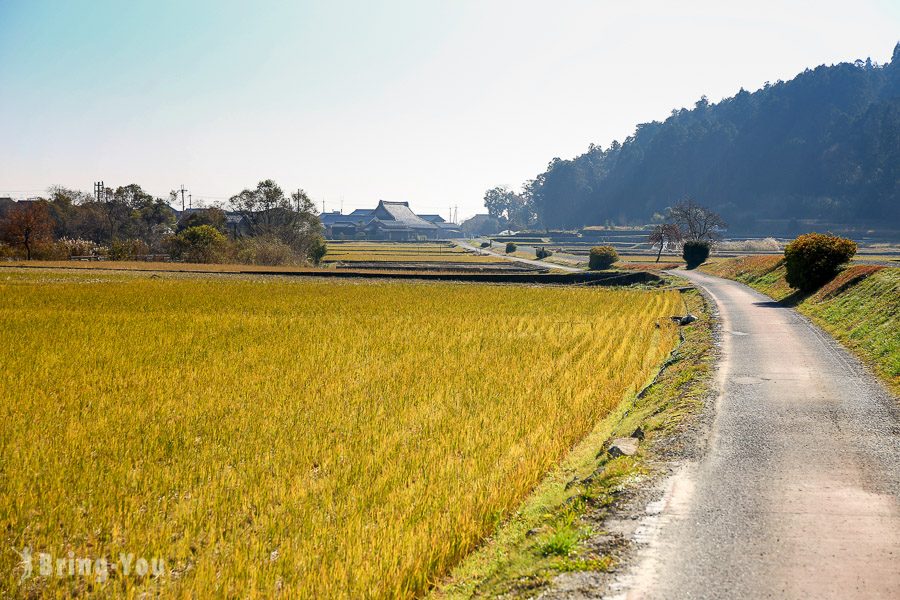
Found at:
[527, 261]
[797, 494]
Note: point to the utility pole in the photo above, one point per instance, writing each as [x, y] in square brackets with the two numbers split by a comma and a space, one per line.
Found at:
[190, 201]
[98, 190]
[298, 199]
[323, 206]
[182, 197]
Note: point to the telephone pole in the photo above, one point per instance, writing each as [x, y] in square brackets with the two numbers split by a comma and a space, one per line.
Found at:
[182, 197]
[298, 199]
[98, 190]
[190, 201]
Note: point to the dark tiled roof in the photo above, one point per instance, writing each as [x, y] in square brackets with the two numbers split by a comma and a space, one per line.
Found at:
[399, 212]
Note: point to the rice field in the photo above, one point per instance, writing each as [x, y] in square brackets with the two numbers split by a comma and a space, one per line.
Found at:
[403, 252]
[313, 438]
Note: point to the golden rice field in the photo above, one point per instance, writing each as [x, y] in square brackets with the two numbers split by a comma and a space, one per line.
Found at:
[349, 252]
[319, 438]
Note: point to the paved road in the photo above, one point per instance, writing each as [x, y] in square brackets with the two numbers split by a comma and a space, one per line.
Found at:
[798, 492]
[527, 261]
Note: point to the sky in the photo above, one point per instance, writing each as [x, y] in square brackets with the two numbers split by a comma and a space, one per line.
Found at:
[427, 101]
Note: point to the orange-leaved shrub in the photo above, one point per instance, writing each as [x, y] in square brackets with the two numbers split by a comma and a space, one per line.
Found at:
[813, 259]
[602, 257]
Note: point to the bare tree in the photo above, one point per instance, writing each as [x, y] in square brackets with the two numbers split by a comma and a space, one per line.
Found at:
[665, 235]
[697, 222]
[27, 224]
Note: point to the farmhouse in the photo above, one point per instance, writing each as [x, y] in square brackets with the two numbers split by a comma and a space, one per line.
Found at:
[387, 221]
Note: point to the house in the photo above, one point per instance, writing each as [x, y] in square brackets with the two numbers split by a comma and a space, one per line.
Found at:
[340, 226]
[448, 230]
[387, 221]
[236, 224]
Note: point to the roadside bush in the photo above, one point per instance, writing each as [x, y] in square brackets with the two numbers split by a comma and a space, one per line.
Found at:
[127, 249]
[543, 253]
[695, 253]
[510, 247]
[200, 244]
[602, 257]
[318, 249]
[485, 244]
[812, 260]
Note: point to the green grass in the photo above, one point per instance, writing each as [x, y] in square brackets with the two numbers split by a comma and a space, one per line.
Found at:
[860, 307]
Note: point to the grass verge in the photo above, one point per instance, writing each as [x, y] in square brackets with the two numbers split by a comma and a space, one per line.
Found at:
[549, 534]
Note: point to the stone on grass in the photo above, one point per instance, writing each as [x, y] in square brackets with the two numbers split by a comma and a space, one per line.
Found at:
[623, 447]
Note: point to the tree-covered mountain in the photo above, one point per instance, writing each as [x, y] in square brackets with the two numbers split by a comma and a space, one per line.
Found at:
[823, 146]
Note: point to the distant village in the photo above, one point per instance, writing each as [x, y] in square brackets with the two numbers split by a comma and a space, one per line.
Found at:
[387, 221]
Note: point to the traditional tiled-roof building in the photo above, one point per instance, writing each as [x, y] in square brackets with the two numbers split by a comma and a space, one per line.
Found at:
[387, 221]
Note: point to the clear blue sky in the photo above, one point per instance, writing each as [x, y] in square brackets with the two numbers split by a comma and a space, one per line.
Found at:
[419, 100]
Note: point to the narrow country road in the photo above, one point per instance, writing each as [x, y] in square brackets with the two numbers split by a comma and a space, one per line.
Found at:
[527, 261]
[797, 494]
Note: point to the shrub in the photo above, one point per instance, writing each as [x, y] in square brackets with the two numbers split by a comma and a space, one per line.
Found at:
[485, 244]
[695, 253]
[812, 260]
[602, 257]
[543, 253]
[510, 247]
[7, 252]
[200, 244]
[127, 249]
[263, 250]
[49, 251]
[78, 247]
[318, 249]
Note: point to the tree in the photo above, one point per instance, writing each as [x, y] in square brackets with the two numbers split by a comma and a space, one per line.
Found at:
[695, 253]
[26, 224]
[496, 201]
[504, 204]
[268, 212]
[664, 235]
[837, 162]
[696, 222]
[214, 217]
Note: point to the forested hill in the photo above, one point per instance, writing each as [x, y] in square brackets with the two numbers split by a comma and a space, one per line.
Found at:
[823, 146]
